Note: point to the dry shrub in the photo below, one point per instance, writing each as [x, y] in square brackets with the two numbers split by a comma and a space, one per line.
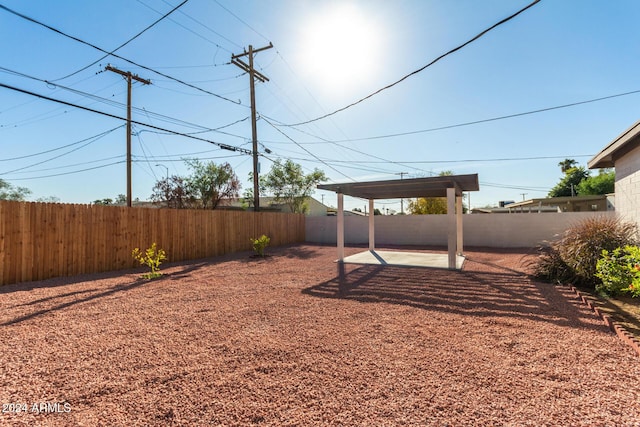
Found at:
[573, 258]
[551, 267]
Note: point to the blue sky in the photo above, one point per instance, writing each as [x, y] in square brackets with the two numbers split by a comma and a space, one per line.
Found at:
[326, 54]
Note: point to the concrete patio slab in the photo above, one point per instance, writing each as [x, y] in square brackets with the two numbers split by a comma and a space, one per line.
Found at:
[404, 259]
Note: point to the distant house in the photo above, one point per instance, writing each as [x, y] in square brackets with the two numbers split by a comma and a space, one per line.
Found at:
[623, 154]
[563, 204]
[315, 208]
[334, 212]
[527, 209]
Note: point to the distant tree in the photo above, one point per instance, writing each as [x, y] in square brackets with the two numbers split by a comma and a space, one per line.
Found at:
[103, 202]
[48, 199]
[121, 199]
[247, 195]
[376, 211]
[603, 183]
[356, 210]
[567, 164]
[568, 185]
[172, 193]
[209, 183]
[10, 192]
[290, 185]
[428, 206]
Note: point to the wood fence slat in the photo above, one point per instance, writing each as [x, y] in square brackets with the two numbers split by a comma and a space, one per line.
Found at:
[3, 241]
[16, 244]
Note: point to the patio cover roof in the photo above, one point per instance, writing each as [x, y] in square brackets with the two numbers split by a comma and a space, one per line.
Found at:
[400, 188]
[450, 186]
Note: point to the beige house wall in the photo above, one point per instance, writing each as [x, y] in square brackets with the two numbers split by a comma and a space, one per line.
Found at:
[628, 185]
[498, 231]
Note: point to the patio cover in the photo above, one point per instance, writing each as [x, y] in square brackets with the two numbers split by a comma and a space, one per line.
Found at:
[451, 187]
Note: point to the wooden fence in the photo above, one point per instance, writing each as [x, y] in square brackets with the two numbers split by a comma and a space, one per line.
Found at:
[43, 240]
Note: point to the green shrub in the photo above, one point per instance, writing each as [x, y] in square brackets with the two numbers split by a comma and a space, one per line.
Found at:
[573, 258]
[619, 271]
[260, 244]
[152, 258]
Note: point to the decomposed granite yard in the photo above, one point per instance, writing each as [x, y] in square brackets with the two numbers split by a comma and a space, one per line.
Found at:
[292, 340]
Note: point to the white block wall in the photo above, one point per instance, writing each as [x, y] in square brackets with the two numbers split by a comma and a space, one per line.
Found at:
[523, 230]
[628, 186]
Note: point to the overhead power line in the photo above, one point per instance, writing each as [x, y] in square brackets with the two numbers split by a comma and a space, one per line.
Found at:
[346, 147]
[192, 31]
[240, 19]
[503, 159]
[419, 70]
[69, 173]
[123, 44]
[219, 144]
[309, 152]
[62, 147]
[457, 125]
[115, 55]
[492, 119]
[111, 102]
[86, 142]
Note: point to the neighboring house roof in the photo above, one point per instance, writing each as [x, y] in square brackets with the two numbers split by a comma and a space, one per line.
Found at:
[315, 208]
[624, 143]
[550, 201]
[507, 210]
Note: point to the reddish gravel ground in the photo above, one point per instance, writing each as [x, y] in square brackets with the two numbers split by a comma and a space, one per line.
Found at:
[291, 340]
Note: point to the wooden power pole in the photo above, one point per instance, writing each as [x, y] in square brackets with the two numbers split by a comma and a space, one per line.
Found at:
[127, 75]
[253, 74]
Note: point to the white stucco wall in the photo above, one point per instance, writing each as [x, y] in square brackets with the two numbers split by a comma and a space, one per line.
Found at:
[525, 230]
[628, 186]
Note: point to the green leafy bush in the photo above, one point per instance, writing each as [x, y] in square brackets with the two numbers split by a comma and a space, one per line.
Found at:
[619, 271]
[573, 258]
[152, 258]
[260, 244]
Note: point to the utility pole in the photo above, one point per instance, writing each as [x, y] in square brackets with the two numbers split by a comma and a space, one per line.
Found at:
[127, 75]
[253, 74]
[402, 174]
[523, 194]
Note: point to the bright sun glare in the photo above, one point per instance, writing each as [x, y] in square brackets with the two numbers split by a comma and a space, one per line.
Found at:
[339, 48]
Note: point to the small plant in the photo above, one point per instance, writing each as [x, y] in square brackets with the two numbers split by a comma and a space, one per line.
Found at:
[152, 258]
[619, 271]
[260, 244]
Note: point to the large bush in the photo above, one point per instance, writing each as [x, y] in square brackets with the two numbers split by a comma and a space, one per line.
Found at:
[574, 257]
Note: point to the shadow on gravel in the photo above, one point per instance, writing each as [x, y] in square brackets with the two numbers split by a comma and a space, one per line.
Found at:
[61, 281]
[61, 306]
[298, 252]
[287, 251]
[501, 292]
